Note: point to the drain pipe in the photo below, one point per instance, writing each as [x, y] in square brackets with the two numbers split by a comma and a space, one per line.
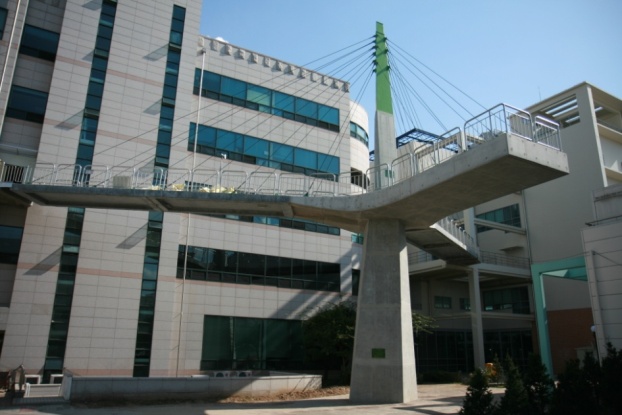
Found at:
[194, 160]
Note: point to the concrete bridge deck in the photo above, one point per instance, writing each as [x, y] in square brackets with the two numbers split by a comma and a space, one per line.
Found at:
[505, 164]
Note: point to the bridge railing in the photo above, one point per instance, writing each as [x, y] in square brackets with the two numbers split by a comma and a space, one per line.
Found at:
[546, 132]
[506, 119]
[448, 145]
[501, 119]
[460, 234]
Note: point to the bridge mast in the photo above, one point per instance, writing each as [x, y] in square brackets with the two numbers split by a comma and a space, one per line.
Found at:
[383, 363]
[384, 135]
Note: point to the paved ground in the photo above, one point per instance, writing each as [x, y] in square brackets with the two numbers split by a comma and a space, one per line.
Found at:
[433, 399]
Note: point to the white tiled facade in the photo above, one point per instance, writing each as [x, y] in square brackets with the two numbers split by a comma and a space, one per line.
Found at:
[102, 333]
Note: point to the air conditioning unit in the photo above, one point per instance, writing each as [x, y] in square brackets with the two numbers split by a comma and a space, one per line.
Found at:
[223, 374]
[245, 374]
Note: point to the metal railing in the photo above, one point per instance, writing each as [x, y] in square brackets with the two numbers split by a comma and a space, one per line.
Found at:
[460, 234]
[609, 125]
[505, 119]
[496, 258]
[494, 122]
[486, 257]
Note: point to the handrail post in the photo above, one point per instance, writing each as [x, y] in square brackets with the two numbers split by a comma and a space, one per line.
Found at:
[54, 175]
[463, 141]
[505, 119]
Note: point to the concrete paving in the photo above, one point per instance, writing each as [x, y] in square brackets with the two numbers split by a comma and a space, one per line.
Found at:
[433, 399]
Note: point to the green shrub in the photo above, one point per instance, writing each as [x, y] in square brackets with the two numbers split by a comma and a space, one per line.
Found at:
[478, 399]
[515, 400]
[539, 385]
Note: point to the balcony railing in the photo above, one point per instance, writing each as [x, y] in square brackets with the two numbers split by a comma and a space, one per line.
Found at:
[486, 257]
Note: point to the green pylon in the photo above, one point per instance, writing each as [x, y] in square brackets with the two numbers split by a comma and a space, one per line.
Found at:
[384, 140]
[383, 83]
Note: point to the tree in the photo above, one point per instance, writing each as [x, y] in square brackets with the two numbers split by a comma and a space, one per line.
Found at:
[515, 401]
[573, 394]
[328, 335]
[611, 381]
[478, 399]
[539, 385]
[422, 323]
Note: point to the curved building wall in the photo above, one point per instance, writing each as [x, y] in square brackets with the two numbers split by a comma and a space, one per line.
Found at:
[359, 151]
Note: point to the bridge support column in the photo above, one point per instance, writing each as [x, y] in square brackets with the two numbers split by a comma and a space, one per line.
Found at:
[476, 319]
[383, 367]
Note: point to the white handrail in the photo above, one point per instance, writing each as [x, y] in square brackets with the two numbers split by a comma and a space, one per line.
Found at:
[486, 126]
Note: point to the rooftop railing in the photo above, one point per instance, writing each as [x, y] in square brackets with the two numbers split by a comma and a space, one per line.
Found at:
[486, 126]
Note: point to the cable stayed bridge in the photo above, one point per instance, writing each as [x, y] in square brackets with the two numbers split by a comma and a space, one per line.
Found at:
[503, 150]
[404, 197]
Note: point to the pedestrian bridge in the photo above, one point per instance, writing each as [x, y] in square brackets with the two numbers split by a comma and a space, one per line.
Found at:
[501, 151]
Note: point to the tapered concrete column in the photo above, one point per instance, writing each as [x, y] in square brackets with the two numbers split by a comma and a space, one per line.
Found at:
[476, 319]
[383, 369]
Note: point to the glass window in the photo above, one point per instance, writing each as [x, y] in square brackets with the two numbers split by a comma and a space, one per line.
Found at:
[509, 215]
[306, 108]
[283, 101]
[258, 95]
[442, 302]
[229, 141]
[247, 268]
[328, 163]
[10, 242]
[3, 14]
[251, 343]
[93, 102]
[172, 67]
[515, 299]
[278, 266]
[39, 43]
[179, 13]
[217, 340]
[103, 43]
[305, 158]
[233, 88]
[27, 104]
[356, 279]
[104, 32]
[211, 81]
[328, 114]
[281, 153]
[252, 264]
[265, 100]
[256, 147]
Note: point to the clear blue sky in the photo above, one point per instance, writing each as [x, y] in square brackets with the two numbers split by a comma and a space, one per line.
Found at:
[494, 50]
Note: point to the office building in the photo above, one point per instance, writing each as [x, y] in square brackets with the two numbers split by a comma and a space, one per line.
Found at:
[100, 292]
[532, 275]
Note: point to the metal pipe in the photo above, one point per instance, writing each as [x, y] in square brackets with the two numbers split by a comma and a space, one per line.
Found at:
[194, 159]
